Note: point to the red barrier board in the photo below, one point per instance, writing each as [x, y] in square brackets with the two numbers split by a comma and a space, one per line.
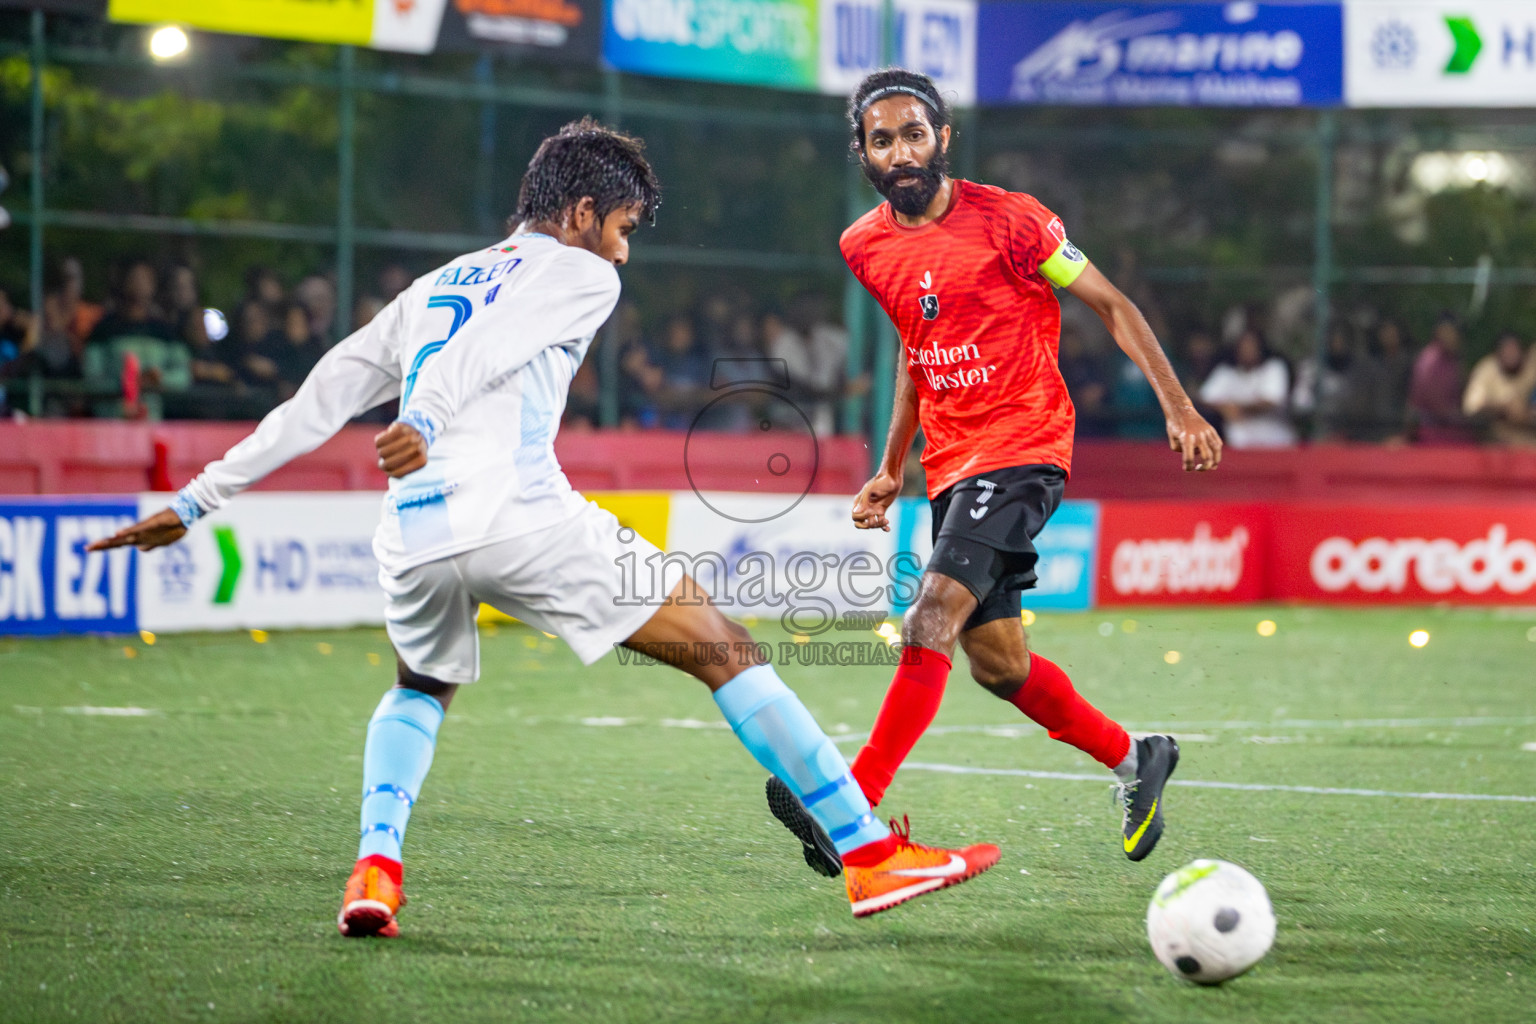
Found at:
[1182, 552]
[1376, 554]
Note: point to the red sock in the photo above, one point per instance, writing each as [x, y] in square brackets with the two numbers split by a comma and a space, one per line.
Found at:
[393, 868]
[1047, 697]
[906, 713]
[870, 854]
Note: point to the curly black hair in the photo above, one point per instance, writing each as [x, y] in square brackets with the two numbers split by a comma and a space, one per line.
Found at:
[878, 85]
[587, 159]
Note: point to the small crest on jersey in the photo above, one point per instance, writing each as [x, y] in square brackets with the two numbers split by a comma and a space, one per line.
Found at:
[1057, 228]
[927, 281]
[930, 304]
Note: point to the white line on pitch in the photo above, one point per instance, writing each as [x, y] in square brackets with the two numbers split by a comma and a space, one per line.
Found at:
[1251, 787]
[1024, 728]
[24, 709]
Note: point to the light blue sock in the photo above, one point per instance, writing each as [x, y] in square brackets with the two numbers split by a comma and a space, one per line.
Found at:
[401, 738]
[774, 726]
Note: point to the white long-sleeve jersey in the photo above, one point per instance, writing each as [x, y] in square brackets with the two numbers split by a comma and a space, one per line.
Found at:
[481, 353]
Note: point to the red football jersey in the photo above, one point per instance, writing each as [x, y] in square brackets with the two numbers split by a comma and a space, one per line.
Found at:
[970, 294]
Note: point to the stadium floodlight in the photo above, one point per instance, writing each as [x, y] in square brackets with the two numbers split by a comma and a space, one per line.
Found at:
[169, 42]
[1438, 172]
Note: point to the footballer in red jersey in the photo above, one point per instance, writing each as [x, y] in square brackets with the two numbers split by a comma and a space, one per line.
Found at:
[968, 273]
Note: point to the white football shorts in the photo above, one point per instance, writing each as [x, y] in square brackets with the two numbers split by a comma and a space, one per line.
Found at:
[564, 579]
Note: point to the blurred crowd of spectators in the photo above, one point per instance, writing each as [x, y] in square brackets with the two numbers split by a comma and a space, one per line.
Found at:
[1371, 386]
[155, 350]
[726, 367]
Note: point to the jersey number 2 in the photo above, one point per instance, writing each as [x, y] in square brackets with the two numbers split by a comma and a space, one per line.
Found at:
[462, 309]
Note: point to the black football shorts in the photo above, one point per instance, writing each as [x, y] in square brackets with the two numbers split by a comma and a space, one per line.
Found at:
[984, 531]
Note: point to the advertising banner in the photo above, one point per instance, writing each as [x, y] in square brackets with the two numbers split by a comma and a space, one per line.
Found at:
[1068, 548]
[557, 29]
[1181, 553]
[935, 37]
[1440, 53]
[1371, 554]
[563, 29]
[410, 26]
[767, 556]
[320, 21]
[1238, 54]
[751, 42]
[94, 7]
[266, 561]
[49, 583]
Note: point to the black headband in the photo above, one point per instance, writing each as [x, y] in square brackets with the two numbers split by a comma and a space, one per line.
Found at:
[893, 90]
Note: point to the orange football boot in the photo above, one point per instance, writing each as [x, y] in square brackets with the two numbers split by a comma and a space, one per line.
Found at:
[369, 904]
[912, 870]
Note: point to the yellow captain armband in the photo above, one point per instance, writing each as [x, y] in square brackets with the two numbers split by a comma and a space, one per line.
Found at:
[1065, 265]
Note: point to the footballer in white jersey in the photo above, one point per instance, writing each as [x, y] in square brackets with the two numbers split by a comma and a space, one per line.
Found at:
[480, 354]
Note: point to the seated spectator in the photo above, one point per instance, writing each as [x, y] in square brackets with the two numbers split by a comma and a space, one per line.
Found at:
[294, 350]
[1250, 392]
[815, 352]
[19, 358]
[185, 313]
[318, 297]
[133, 312]
[740, 360]
[80, 315]
[393, 280]
[1198, 359]
[1434, 396]
[246, 348]
[263, 286]
[1137, 412]
[685, 372]
[583, 402]
[57, 351]
[1499, 391]
[1381, 377]
[1087, 384]
[134, 350]
[641, 380]
[1325, 391]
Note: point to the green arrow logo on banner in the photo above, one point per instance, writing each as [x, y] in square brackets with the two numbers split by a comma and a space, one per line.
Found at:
[229, 554]
[1468, 45]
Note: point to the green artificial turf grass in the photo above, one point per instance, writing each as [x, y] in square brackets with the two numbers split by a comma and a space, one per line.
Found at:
[592, 846]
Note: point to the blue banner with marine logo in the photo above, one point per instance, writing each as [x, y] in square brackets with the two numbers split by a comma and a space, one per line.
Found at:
[49, 583]
[1235, 54]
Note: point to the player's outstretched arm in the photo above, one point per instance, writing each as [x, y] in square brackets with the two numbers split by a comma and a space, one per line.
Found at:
[351, 378]
[1188, 432]
[162, 528]
[874, 500]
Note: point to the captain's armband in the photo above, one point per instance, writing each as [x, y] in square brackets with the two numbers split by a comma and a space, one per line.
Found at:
[1065, 265]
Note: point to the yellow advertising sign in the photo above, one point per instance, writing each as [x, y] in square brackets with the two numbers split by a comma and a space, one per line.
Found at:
[319, 21]
[645, 512]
